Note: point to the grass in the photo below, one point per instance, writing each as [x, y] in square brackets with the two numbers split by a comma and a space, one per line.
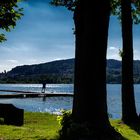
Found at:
[37, 126]
[44, 126]
[128, 132]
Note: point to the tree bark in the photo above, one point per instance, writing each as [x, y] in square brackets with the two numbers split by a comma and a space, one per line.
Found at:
[91, 24]
[129, 114]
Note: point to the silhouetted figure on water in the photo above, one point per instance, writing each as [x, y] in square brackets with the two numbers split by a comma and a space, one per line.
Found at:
[43, 87]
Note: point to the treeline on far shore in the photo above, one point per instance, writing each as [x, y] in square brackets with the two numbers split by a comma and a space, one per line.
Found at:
[36, 79]
[55, 79]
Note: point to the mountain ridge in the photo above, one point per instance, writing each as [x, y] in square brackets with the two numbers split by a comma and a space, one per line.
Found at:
[61, 71]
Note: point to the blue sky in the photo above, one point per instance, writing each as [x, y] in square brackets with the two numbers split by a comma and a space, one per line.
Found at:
[45, 34]
[115, 40]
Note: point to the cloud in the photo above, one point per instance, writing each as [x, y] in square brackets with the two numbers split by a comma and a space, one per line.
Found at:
[43, 34]
[13, 61]
[7, 64]
[113, 48]
[137, 54]
[113, 53]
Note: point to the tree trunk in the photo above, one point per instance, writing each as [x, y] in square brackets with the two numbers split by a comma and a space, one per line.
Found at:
[91, 24]
[129, 114]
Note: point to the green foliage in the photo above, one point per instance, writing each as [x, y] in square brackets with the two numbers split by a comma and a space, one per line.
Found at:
[69, 4]
[72, 130]
[136, 11]
[2, 38]
[65, 117]
[120, 53]
[9, 14]
[115, 7]
[116, 10]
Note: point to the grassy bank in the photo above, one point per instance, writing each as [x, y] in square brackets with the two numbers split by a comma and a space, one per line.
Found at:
[129, 132]
[44, 126]
[37, 126]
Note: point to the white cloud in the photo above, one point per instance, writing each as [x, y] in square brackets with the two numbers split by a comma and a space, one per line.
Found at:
[113, 48]
[136, 54]
[6, 67]
[113, 53]
[12, 61]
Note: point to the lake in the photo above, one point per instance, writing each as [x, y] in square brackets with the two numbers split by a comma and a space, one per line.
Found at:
[55, 104]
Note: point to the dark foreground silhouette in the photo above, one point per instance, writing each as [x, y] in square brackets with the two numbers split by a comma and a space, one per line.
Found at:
[11, 114]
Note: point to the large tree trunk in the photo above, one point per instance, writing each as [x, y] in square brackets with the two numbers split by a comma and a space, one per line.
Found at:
[91, 24]
[129, 114]
[89, 114]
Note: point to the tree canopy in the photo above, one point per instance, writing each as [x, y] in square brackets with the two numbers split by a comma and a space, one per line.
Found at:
[69, 4]
[9, 14]
[115, 7]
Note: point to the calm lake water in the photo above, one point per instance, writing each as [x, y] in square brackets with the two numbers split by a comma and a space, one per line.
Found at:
[55, 104]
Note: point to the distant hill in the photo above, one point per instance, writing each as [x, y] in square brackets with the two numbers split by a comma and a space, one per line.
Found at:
[61, 71]
[114, 71]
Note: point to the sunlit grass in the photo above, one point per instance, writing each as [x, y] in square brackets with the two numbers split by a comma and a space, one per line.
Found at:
[37, 126]
[127, 131]
[44, 126]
